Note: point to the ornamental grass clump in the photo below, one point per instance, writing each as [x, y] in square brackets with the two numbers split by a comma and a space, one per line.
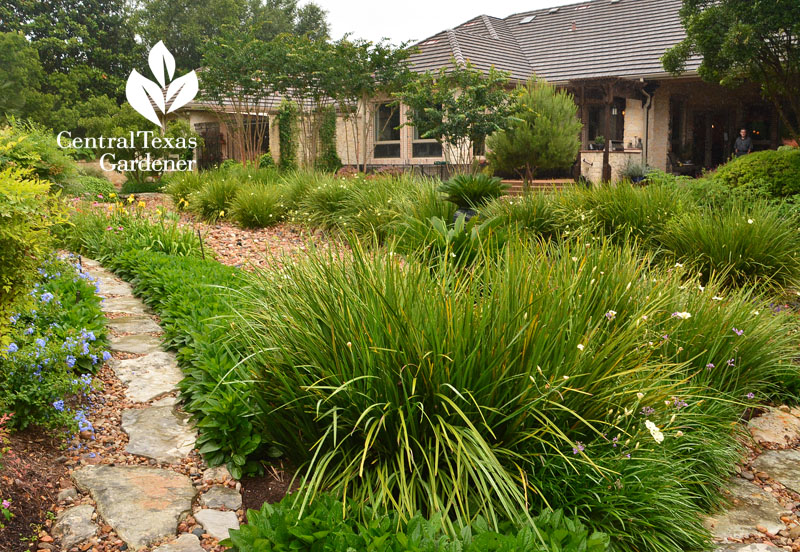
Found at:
[622, 210]
[257, 205]
[533, 213]
[325, 202]
[215, 197]
[748, 243]
[551, 375]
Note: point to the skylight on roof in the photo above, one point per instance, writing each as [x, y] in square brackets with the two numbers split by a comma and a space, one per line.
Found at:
[527, 19]
[553, 10]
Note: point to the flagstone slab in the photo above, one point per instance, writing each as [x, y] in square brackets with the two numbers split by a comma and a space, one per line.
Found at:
[750, 506]
[782, 466]
[74, 526]
[216, 523]
[124, 305]
[221, 497]
[142, 504]
[775, 428]
[159, 432]
[148, 376]
[110, 286]
[134, 324]
[185, 543]
[138, 344]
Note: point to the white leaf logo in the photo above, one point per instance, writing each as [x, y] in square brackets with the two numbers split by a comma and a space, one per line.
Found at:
[145, 95]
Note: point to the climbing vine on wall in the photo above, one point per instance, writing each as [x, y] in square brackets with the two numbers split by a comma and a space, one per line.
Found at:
[329, 158]
[287, 135]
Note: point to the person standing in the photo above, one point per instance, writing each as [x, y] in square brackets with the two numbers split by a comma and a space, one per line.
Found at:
[743, 144]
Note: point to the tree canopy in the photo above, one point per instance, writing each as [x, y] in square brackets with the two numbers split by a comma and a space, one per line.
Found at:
[745, 40]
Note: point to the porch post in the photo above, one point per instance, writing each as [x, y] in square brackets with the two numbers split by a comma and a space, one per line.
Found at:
[609, 90]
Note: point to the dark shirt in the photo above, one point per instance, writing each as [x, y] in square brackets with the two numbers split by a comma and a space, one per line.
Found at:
[743, 145]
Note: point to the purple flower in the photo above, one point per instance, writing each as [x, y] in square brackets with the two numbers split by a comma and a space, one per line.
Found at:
[6, 504]
[677, 403]
[46, 297]
[731, 362]
[12, 348]
[106, 356]
[41, 342]
[647, 410]
[738, 332]
[28, 330]
[751, 396]
[71, 361]
[578, 448]
[59, 405]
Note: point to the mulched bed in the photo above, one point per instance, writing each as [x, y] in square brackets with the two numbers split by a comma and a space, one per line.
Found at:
[31, 476]
[268, 488]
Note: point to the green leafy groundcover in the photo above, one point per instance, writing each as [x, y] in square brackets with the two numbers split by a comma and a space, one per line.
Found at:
[54, 345]
[323, 528]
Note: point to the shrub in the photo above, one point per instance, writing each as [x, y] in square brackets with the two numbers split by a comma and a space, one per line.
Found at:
[29, 146]
[50, 343]
[96, 189]
[215, 197]
[266, 162]
[328, 158]
[26, 214]
[257, 206]
[324, 528]
[142, 186]
[472, 190]
[776, 173]
[748, 243]
[229, 164]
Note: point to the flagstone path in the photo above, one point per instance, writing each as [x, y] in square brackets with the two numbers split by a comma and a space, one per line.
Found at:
[152, 493]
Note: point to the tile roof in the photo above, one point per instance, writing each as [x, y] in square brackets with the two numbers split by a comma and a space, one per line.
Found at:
[598, 38]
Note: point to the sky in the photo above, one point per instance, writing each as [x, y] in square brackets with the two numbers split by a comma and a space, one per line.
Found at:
[414, 20]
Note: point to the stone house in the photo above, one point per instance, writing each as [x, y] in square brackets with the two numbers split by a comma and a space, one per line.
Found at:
[607, 53]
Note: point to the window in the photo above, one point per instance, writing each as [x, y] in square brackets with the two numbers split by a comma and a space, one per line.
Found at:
[387, 131]
[425, 146]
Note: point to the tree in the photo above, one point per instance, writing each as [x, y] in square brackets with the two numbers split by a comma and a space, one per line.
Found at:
[542, 133]
[185, 26]
[238, 84]
[362, 72]
[20, 74]
[89, 42]
[458, 106]
[741, 40]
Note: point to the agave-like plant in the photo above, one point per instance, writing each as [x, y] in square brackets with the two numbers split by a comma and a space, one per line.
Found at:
[472, 190]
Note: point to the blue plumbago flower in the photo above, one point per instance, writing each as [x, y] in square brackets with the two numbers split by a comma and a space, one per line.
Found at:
[94, 359]
[41, 342]
[12, 348]
[731, 362]
[85, 348]
[738, 332]
[578, 448]
[13, 319]
[83, 423]
[106, 356]
[87, 335]
[28, 330]
[71, 361]
[47, 297]
[86, 379]
[59, 405]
